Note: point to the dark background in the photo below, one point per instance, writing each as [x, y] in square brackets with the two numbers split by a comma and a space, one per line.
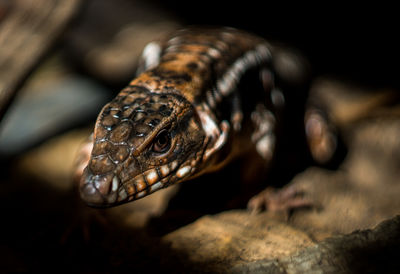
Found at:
[357, 42]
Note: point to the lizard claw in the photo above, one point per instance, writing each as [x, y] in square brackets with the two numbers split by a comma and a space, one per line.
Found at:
[279, 200]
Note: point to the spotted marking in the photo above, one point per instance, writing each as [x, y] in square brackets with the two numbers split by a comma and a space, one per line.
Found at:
[156, 186]
[174, 165]
[140, 183]
[151, 176]
[115, 184]
[164, 170]
[183, 171]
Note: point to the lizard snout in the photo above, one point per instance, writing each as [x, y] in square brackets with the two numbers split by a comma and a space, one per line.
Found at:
[99, 190]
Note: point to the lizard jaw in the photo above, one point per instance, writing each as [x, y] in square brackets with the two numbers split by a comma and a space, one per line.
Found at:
[107, 190]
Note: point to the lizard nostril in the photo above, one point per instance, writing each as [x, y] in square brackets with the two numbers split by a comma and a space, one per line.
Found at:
[99, 190]
[90, 195]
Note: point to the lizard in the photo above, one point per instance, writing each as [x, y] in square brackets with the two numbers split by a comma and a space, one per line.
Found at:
[202, 97]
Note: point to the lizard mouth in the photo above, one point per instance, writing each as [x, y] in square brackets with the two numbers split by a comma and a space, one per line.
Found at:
[107, 190]
[148, 182]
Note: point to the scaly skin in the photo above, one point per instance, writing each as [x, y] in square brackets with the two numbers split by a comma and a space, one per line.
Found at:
[203, 98]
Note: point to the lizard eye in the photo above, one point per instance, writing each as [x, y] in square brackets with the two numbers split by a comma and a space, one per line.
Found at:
[162, 141]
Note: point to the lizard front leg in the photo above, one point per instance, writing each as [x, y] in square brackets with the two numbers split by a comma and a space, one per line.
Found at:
[216, 136]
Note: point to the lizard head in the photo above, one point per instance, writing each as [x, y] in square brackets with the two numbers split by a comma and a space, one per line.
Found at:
[143, 141]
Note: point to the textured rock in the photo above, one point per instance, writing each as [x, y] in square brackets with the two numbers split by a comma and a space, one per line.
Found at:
[363, 190]
[235, 237]
[34, 23]
[368, 251]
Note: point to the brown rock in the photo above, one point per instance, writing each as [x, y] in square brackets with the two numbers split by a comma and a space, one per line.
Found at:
[236, 237]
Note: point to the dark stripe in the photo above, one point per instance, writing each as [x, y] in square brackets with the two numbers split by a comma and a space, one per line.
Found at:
[159, 173]
[136, 88]
[171, 74]
[147, 184]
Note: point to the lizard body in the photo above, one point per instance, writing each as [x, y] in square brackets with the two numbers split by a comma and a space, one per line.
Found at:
[201, 98]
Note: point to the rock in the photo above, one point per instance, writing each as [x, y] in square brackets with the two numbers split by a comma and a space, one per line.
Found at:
[234, 238]
[368, 251]
[48, 110]
[109, 49]
[236, 242]
[35, 23]
[362, 191]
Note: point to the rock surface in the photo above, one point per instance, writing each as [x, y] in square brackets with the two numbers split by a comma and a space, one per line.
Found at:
[235, 238]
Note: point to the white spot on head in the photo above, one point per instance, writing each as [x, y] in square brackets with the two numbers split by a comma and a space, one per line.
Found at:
[174, 165]
[151, 55]
[164, 170]
[115, 183]
[151, 176]
[183, 171]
